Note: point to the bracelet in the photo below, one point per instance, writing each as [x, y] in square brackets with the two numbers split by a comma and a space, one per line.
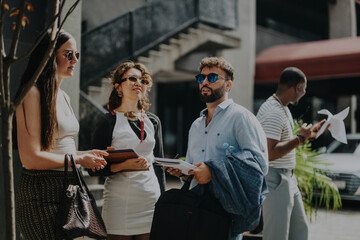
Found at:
[303, 139]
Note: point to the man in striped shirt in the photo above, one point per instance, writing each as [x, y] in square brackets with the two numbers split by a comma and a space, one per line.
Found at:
[283, 210]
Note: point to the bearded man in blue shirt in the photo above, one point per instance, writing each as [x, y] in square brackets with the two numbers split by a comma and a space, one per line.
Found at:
[225, 128]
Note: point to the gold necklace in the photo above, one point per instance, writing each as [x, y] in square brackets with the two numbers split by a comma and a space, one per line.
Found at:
[131, 115]
[286, 113]
[278, 99]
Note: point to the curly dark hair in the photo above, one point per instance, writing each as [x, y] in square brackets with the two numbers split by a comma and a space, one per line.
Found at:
[117, 76]
[219, 62]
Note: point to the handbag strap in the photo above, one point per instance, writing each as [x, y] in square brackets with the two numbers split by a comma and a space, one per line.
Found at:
[186, 186]
[79, 176]
[66, 165]
[187, 183]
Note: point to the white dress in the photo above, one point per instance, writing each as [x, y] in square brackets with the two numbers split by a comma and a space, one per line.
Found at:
[130, 197]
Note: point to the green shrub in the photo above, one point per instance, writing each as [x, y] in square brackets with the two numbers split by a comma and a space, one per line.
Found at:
[311, 179]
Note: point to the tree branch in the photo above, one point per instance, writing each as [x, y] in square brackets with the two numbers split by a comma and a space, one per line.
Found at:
[2, 50]
[71, 9]
[49, 51]
[42, 64]
[41, 36]
[16, 35]
[2, 28]
[36, 75]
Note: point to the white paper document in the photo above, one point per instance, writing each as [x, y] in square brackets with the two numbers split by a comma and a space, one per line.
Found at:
[337, 127]
[185, 167]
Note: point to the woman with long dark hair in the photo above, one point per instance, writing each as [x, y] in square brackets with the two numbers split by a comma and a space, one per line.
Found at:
[46, 129]
[132, 187]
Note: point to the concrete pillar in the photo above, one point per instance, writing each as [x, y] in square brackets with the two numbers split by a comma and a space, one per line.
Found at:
[73, 25]
[243, 58]
[153, 96]
[342, 23]
[342, 19]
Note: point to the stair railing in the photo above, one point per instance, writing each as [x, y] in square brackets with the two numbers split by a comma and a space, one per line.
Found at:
[137, 31]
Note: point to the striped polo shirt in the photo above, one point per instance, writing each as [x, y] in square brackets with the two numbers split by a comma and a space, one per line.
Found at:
[278, 124]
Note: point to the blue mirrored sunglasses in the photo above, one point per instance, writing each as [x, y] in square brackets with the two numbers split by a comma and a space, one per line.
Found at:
[212, 77]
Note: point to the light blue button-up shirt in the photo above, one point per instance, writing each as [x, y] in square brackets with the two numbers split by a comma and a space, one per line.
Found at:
[239, 186]
[232, 124]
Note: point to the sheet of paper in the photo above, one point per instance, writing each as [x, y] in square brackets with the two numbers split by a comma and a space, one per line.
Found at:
[185, 167]
[337, 127]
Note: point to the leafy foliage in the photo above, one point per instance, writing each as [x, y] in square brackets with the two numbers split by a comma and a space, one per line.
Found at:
[311, 179]
[16, 10]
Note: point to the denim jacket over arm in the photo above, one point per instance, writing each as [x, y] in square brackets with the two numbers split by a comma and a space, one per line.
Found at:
[244, 180]
[237, 175]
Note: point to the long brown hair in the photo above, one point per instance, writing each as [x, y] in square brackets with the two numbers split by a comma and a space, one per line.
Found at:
[118, 74]
[48, 86]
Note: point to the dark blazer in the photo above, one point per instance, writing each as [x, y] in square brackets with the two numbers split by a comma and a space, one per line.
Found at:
[103, 136]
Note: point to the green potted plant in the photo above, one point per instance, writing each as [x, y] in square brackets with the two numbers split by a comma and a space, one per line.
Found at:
[311, 179]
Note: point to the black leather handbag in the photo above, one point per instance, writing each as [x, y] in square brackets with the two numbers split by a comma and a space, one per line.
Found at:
[78, 214]
[181, 214]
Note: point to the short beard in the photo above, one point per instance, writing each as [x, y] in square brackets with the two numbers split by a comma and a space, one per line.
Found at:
[214, 96]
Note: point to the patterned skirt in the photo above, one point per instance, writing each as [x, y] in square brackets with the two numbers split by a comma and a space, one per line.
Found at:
[37, 201]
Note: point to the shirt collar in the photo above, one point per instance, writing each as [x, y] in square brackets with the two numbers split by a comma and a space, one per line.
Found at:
[221, 106]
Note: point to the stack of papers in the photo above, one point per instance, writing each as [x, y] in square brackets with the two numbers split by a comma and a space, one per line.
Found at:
[185, 167]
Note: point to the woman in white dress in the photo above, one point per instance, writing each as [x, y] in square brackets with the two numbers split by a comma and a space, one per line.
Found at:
[132, 187]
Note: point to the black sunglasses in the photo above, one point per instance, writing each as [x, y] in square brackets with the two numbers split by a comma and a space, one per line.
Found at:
[212, 77]
[70, 55]
[143, 81]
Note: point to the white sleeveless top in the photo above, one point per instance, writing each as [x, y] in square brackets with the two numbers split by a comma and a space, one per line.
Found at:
[130, 197]
[68, 129]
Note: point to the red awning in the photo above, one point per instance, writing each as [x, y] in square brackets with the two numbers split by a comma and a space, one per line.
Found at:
[325, 59]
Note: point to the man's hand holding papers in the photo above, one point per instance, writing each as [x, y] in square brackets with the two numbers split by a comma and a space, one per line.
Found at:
[183, 166]
[337, 127]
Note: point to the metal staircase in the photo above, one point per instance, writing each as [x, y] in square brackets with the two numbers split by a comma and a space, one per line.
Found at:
[149, 27]
[164, 56]
[199, 36]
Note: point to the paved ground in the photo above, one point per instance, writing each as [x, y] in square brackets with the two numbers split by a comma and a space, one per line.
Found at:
[343, 224]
